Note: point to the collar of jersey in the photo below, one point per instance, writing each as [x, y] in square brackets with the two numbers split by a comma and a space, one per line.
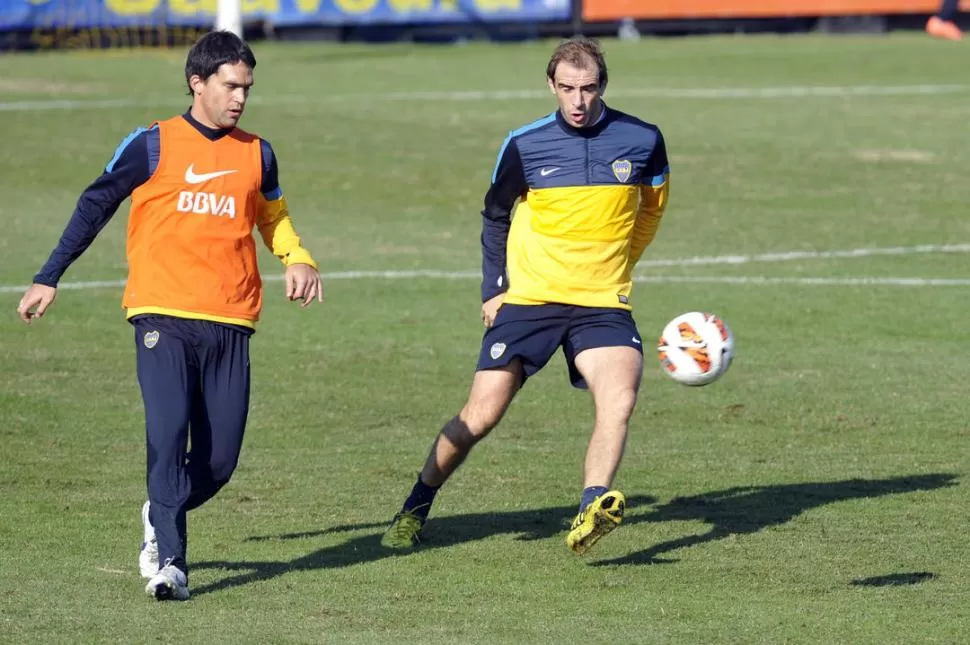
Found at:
[212, 134]
[585, 131]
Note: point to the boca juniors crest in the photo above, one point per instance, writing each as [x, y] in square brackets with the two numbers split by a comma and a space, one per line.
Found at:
[622, 169]
[151, 339]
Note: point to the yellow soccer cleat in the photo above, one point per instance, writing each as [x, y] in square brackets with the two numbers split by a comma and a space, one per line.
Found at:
[599, 518]
[404, 533]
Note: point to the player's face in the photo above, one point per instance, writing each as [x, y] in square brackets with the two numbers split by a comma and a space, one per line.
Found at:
[221, 98]
[579, 93]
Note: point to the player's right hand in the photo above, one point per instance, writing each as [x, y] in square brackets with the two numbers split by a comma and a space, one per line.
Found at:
[490, 309]
[35, 302]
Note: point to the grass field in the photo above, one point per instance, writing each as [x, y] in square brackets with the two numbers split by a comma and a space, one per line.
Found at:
[816, 494]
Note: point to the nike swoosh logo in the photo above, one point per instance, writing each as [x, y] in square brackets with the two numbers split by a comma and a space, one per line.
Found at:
[636, 340]
[547, 171]
[193, 178]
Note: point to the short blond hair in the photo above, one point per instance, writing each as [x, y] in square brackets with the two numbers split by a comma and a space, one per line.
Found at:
[578, 51]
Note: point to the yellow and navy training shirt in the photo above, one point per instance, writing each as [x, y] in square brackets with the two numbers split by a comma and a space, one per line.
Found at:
[589, 202]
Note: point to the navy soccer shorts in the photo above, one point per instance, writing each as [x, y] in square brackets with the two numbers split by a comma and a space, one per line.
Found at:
[533, 333]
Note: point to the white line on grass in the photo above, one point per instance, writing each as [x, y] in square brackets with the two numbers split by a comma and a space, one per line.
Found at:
[507, 95]
[785, 256]
[75, 104]
[689, 92]
[838, 282]
[652, 279]
[789, 256]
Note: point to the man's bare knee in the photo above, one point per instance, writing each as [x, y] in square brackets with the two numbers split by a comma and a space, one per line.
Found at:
[616, 405]
[479, 417]
[459, 434]
[492, 391]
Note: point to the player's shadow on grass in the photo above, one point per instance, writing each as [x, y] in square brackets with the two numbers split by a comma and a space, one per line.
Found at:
[525, 525]
[749, 509]
[733, 511]
[894, 579]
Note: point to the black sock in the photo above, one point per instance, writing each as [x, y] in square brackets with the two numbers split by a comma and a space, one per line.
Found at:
[420, 500]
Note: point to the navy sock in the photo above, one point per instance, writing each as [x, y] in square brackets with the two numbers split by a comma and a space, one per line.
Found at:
[589, 494]
[420, 499]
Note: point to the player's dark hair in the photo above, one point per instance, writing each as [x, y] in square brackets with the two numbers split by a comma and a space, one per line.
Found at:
[214, 50]
[578, 51]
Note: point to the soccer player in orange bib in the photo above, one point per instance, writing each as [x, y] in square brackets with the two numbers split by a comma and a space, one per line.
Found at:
[588, 185]
[199, 186]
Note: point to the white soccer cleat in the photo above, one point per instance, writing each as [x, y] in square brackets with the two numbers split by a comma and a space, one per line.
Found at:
[148, 556]
[169, 583]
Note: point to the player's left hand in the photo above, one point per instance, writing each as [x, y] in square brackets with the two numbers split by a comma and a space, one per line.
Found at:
[303, 283]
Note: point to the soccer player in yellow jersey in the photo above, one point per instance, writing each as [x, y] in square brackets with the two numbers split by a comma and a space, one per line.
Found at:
[591, 185]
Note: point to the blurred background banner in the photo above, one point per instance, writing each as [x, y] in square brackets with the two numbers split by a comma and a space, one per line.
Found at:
[82, 14]
[610, 10]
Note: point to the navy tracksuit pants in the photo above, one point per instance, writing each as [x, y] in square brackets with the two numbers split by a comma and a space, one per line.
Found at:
[194, 378]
